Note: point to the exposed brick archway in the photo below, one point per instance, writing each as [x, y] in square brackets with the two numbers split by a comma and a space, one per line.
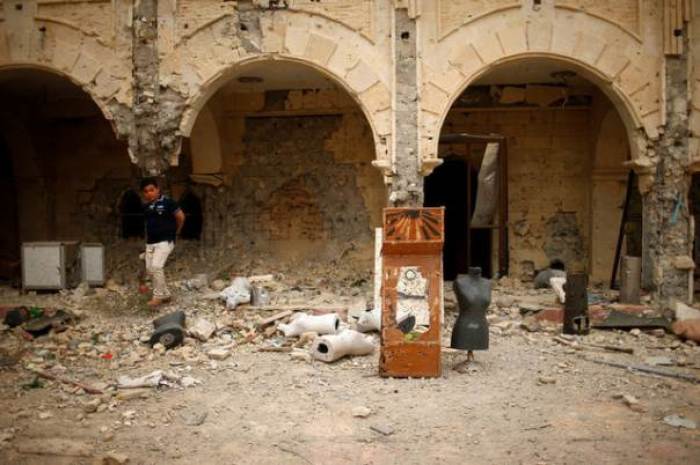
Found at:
[601, 51]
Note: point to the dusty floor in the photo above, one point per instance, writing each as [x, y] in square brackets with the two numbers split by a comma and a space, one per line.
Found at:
[528, 400]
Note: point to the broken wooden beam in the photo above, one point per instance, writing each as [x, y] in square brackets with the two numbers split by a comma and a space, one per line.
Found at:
[277, 316]
[61, 379]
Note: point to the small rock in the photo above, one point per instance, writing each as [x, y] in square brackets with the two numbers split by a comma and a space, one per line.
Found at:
[680, 422]
[546, 380]
[114, 458]
[202, 329]
[636, 332]
[361, 412]
[92, 405]
[194, 418]
[218, 354]
[218, 284]
[382, 428]
[301, 355]
[629, 400]
[45, 415]
[658, 332]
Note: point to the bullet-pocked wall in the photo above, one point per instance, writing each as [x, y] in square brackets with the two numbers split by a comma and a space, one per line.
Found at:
[566, 149]
[66, 168]
[288, 158]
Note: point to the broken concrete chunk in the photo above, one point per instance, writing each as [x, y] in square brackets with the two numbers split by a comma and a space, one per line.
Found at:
[202, 329]
[685, 312]
[680, 422]
[361, 412]
[218, 354]
[382, 428]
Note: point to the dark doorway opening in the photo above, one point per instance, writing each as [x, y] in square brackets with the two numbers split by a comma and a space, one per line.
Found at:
[694, 203]
[453, 185]
[9, 233]
[131, 211]
[192, 208]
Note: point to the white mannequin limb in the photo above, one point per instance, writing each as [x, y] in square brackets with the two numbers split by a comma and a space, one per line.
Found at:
[557, 284]
[303, 323]
[349, 342]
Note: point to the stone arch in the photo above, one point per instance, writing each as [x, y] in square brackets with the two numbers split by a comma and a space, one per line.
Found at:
[201, 64]
[600, 51]
[363, 99]
[103, 106]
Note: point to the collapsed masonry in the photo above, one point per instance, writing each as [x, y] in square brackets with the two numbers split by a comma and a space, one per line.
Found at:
[280, 136]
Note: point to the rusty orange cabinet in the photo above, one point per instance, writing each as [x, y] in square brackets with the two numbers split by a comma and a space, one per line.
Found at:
[411, 292]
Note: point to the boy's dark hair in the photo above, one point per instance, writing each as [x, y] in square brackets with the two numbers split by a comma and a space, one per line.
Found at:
[148, 182]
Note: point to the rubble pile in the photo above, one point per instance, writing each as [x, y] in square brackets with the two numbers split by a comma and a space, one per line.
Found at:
[103, 362]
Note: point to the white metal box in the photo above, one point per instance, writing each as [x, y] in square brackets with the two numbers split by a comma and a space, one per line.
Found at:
[49, 265]
[92, 263]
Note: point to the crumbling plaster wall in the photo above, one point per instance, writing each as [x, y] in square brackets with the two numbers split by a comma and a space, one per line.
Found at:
[297, 174]
[202, 43]
[620, 52]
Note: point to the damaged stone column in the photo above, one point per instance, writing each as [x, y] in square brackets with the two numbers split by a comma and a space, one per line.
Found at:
[666, 215]
[407, 184]
[157, 110]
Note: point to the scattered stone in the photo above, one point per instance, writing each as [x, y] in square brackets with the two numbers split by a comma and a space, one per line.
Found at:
[6, 436]
[113, 458]
[685, 312]
[636, 332]
[546, 380]
[301, 355]
[504, 301]
[194, 418]
[361, 412]
[45, 415]
[382, 428]
[197, 282]
[202, 329]
[218, 285]
[92, 405]
[530, 324]
[218, 354]
[527, 308]
[680, 422]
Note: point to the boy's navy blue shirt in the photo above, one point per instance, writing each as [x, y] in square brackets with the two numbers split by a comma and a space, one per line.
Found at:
[160, 220]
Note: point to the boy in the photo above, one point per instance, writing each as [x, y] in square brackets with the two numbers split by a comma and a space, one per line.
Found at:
[164, 220]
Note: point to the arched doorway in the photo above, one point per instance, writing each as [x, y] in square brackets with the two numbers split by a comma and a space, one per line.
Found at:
[566, 175]
[281, 159]
[67, 165]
